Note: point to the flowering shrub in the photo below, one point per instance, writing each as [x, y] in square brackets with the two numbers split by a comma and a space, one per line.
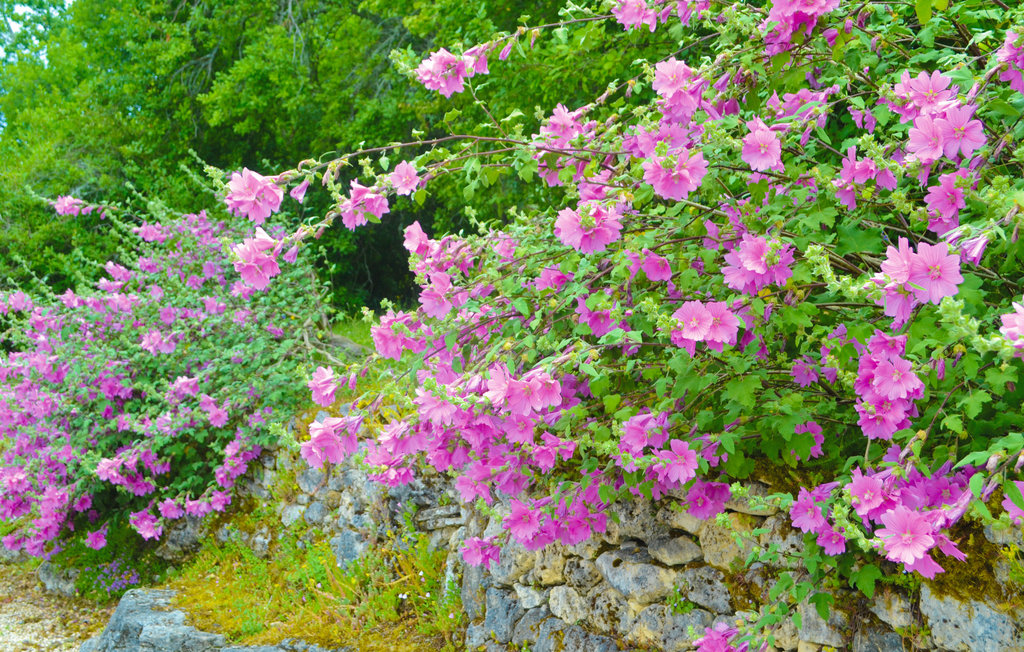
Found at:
[143, 399]
[793, 240]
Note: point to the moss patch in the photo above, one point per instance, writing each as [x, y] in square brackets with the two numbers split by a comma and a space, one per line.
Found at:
[392, 599]
[974, 579]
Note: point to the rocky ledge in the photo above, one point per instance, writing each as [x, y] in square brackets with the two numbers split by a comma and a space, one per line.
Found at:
[145, 622]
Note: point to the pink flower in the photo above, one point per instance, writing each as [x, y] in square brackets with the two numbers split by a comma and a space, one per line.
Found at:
[1016, 513]
[1013, 325]
[806, 515]
[707, 499]
[926, 139]
[831, 541]
[945, 199]
[444, 72]
[632, 13]
[362, 202]
[895, 378]
[253, 195]
[960, 132]
[298, 193]
[591, 229]
[675, 177]
[66, 205]
[97, 539]
[866, 492]
[762, 150]
[694, 319]
[146, 525]
[678, 464]
[934, 273]
[170, 509]
[523, 521]
[404, 178]
[480, 552]
[907, 535]
[257, 259]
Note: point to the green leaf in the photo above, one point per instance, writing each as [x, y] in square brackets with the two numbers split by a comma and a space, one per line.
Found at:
[611, 402]
[941, 5]
[822, 602]
[953, 423]
[972, 404]
[743, 390]
[924, 11]
[1013, 492]
[865, 578]
[976, 484]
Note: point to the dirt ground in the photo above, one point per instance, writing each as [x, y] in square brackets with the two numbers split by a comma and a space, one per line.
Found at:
[32, 620]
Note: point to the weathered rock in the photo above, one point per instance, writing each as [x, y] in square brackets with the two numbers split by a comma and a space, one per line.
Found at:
[750, 503]
[475, 582]
[718, 543]
[143, 622]
[347, 546]
[181, 540]
[291, 514]
[676, 632]
[973, 626]
[675, 551]
[789, 541]
[58, 580]
[581, 574]
[636, 521]
[832, 632]
[892, 608]
[503, 612]
[436, 518]
[679, 519]
[527, 630]
[476, 636]
[549, 637]
[1002, 535]
[876, 639]
[315, 513]
[657, 627]
[260, 544]
[515, 561]
[530, 597]
[607, 609]
[567, 604]
[630, 571]
[705, 586]
[549, 568]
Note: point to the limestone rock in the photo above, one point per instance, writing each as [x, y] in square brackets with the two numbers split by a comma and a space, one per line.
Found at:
[581, 574]
[607, 609]
[832, 632]
[436, 518]
[971, 626]
[181, 540]
[291, 514]
[528, 628]
[315, 513]
[705, 586]
[892, 608]
[475, 582]
[347, 546]
[503, 612]
[58, 580]
[310, 479]
[679, 520]
[143, 623]
[657, 627]
[790, 542]
[514, 563]
[630, 571]
[675, 551]
[719, 544]
[876, 639]
[530, 597]
[567, 604]
[549, 568]
[746, 504]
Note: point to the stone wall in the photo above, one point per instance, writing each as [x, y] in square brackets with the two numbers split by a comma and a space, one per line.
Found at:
[655, 580]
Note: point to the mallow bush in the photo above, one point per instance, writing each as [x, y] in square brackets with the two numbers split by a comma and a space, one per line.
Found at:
[141, 400]
[793, 240]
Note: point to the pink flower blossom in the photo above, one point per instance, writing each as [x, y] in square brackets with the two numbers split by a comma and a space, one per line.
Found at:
[362, 202]
[590, 228]
[926, 139]
[480, 552]
[444, 72]
[907, 535]
[934, 273]
[404, 178]
[959, 132]
[675, 177]
[762, 150]
[253, 195]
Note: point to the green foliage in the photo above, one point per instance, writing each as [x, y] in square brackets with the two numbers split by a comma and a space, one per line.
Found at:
[394, 597]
